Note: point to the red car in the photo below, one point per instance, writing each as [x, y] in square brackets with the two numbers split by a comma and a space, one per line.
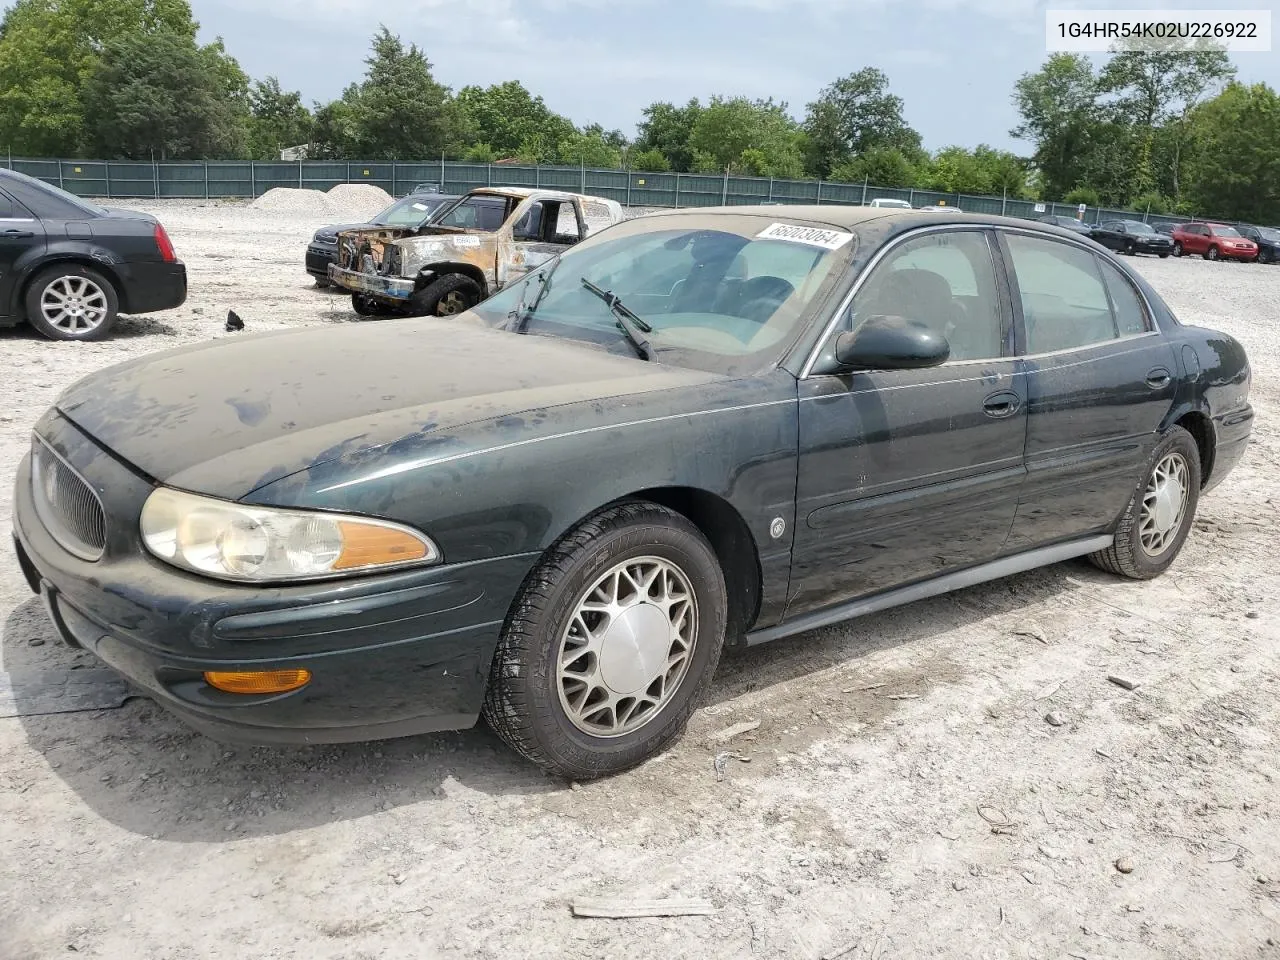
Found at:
[1213, 241]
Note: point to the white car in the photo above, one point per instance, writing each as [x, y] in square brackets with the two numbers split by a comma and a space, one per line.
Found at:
[889, 202]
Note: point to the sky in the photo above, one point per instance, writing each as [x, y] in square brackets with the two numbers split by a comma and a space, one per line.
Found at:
[954, 62]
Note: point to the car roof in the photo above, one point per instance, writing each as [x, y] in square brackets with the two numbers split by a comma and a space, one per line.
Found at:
[523, 193]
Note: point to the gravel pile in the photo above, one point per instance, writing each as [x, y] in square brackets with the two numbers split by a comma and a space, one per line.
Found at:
[358, 199]
[293, 200]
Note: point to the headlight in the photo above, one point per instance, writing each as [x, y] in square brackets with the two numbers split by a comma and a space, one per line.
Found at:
[235, 541]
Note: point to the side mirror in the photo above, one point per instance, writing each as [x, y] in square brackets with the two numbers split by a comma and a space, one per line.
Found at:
[891, 343]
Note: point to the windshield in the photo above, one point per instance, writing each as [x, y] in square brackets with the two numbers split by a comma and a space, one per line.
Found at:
[1135, 226]
[727, 294]
[1225, 232]
[475, 213]
[409, 212]
[1266, 233]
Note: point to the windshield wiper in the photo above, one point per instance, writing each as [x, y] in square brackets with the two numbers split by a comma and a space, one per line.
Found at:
[518, 318]
[628, 321]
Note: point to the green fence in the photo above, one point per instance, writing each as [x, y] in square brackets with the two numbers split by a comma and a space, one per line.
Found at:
[632, 188]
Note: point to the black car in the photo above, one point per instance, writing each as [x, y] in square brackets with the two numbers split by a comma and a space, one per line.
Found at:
[411, 211]
[69, 267]
[1267, 239]
[1132, 237]
[689, 429]
[1070, 223]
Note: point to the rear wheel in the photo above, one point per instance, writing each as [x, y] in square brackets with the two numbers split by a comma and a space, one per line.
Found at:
[1211, 253]
[1158, 518]
[447, 297]
[610, 643]
[72, 302]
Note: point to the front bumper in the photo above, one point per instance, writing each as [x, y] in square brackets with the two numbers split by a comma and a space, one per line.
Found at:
[1155, 247]
[398, 289]
[318, 258]
[391, 655]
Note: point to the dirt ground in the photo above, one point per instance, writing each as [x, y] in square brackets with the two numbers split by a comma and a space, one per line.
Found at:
[903, 796]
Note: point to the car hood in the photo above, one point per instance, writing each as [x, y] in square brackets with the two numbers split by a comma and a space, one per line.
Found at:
[227, 418]
[333, 231]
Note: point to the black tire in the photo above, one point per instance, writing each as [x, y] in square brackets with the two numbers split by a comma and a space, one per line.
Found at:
[368, 307]
[1127, 557]
[1163, 256]
[323, 283]
[1129, 248]
[104, 298]
[523, 701]
[1211, 253]
[448, 296]
[1177, 249]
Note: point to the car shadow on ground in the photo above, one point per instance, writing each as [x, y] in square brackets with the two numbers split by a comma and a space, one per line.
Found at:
[146, 772]
[126, 328]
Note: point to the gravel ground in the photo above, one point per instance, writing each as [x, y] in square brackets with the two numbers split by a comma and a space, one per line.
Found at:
[903, 795]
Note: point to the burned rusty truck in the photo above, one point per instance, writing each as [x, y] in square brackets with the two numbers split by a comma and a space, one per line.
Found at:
[464, 253]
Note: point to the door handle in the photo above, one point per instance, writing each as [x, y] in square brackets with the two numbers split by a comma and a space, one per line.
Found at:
[1158, 378]
[1000, 405]
[18, 234]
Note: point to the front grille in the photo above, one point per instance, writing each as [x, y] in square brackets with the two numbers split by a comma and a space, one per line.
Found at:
[66, 504]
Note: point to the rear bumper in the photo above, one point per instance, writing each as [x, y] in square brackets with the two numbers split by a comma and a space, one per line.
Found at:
[1232, 432]
[386, 288]
[392, 655]
[148, 287]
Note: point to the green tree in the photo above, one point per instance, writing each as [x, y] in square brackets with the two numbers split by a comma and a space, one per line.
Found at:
[279, 120]
[853, 115]
[727, 128]
[1235, 172]
[667, 129]
[510, 119]
[589, 149]
[651, 160]
[879, 166]
[49, 49]
[1058, 106]
[397, 112]
[1156, 88]
[134, 112]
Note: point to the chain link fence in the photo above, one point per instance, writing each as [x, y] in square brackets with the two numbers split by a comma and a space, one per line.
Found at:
[632, 188]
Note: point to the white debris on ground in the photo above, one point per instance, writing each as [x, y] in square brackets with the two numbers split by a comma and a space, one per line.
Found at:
[905, 796]
[293, 200]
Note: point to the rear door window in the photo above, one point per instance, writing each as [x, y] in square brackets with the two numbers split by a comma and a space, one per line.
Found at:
[1064, 300]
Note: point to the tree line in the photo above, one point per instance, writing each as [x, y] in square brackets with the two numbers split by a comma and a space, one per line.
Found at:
[1162, 130]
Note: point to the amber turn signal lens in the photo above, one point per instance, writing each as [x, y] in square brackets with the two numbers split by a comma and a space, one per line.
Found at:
[257, 681]
[368, 546]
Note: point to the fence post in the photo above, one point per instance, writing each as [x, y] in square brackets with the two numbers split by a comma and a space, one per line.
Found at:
[724, 189]
[155, 177]
[394, 167]
[582, 163]
[864, 191]
[442, 171]
[60, 186]
[819, 192]
[537, 176]
[206, 179]
[628, 173]
[677, 202]
[106, 165]
[911, 196]
[488, 174]
[1004, 201]
[771, 189]
[299, 174]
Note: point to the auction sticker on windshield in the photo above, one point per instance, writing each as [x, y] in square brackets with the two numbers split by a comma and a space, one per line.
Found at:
[813, 236]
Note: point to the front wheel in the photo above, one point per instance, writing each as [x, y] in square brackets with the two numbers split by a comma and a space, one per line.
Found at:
[610, 643]
[72, 302]
[447, 297]
[1177, 249]
[369, 307]
[1158, 518]
[1163, 255]
[1211, 253]
[1129, 248]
